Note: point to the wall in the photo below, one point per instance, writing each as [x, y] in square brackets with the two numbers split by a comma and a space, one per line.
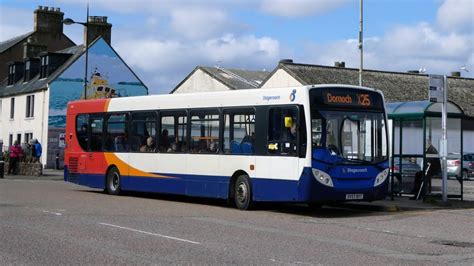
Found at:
[21, 124]
[200, 81]
[281, 79]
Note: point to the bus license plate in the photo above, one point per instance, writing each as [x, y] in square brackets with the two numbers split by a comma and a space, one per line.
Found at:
[354, 196]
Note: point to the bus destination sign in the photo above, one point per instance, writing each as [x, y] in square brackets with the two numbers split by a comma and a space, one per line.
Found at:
[362, 99]
[342, 97]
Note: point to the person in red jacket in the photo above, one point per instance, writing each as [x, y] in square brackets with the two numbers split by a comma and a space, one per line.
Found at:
[15, 154]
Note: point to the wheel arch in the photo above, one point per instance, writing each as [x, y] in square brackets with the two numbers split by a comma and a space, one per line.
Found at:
[233, 178]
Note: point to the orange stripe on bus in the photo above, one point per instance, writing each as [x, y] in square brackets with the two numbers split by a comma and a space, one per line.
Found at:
[122, 167]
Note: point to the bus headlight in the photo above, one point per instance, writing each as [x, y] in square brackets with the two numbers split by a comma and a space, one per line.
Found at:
[381, 177]
[322, 177]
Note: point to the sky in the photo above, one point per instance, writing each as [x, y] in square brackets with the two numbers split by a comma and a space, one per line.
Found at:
[164, 40]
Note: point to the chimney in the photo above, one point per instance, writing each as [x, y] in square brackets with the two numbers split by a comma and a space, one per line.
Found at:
[98, 27]
[48, 20]
[341, 64]
[456, 74]
[32, 48]
[286, 61]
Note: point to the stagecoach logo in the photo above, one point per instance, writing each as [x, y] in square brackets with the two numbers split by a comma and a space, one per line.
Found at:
[293, 95]
[354, 170]
[271, 98]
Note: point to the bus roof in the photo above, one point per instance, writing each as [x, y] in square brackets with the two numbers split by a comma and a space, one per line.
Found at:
[253, 97]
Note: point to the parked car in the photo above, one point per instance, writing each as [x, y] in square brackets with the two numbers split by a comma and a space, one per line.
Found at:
[456, 170]
[404, 181]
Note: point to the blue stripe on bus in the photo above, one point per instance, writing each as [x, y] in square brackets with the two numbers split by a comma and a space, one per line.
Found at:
[305, 189]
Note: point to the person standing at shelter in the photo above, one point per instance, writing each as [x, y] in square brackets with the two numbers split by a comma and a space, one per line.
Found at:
[37, 150]
[15, 154]
[433, 168]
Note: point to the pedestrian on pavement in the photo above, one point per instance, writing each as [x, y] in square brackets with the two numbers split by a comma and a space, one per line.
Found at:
[38, 150]
[16, 152]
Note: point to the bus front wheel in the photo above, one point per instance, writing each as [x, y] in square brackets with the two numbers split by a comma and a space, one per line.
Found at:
[113, 182]
[243, 193]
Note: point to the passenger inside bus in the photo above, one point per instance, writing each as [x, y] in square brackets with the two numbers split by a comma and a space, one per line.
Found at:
[164, 141]
[149, 147]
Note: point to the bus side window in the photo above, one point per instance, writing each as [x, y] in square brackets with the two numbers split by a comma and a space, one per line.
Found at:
[205, 132]
[96, 123]
[82, 126]
[143, 137]
[283, 131]
[116, 134]
[239, 132]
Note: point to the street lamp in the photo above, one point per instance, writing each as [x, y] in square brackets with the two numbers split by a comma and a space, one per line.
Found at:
[69, 21]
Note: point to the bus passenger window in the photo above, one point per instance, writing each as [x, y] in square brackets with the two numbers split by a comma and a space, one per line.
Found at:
[82, 126]
[205, 132]
[173, 132]
[96, 128]
[283, 131]
[143, 133]
[116, 134]
[239, 132]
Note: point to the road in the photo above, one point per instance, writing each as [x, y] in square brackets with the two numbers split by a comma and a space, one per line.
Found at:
[52, 222]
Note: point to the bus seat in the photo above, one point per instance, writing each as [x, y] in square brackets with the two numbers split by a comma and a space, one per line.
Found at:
[235, 147]
[247, 147]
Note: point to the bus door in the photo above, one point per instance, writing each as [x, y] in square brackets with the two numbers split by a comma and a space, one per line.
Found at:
[283, 150]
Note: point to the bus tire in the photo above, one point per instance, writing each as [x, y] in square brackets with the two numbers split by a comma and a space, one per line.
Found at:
[243, 193]
[113, 182]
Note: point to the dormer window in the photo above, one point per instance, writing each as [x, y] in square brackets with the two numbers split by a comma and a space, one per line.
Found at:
[44, 66]
[11, 75]
[26, 75]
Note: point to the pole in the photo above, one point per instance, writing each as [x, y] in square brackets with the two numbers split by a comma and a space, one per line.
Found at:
[87, 52]
[444, 141]
[361, 42]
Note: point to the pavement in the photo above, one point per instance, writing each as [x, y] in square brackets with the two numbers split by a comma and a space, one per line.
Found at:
[398, 204]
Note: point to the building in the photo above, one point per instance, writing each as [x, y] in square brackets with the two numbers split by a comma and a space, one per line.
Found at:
[47, 35]
[396, 86]
[220, 79]
[35, 93]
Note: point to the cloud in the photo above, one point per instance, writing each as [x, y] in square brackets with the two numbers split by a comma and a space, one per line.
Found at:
[199, 23]
[401, 49]
[456, 16]
[162, 64]
[298, 8]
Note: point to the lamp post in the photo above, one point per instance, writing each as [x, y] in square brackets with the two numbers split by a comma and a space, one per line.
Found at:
[69, 21]
[361, 41]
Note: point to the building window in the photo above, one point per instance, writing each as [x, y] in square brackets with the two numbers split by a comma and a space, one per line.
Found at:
[26, 75]
[10, 140]
[1, 110]
[18, 138]
[30, 106]
[11, 75]
[28, 137]
[44, 66]
[12, 108]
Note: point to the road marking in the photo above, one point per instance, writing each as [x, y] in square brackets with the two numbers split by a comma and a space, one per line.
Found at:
[55, 213]
[153, 234]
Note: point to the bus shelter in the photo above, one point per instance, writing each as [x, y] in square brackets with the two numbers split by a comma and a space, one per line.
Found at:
[414, 127]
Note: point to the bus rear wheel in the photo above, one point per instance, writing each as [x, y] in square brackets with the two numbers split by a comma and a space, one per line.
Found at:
[243, 193]
[113, 182]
